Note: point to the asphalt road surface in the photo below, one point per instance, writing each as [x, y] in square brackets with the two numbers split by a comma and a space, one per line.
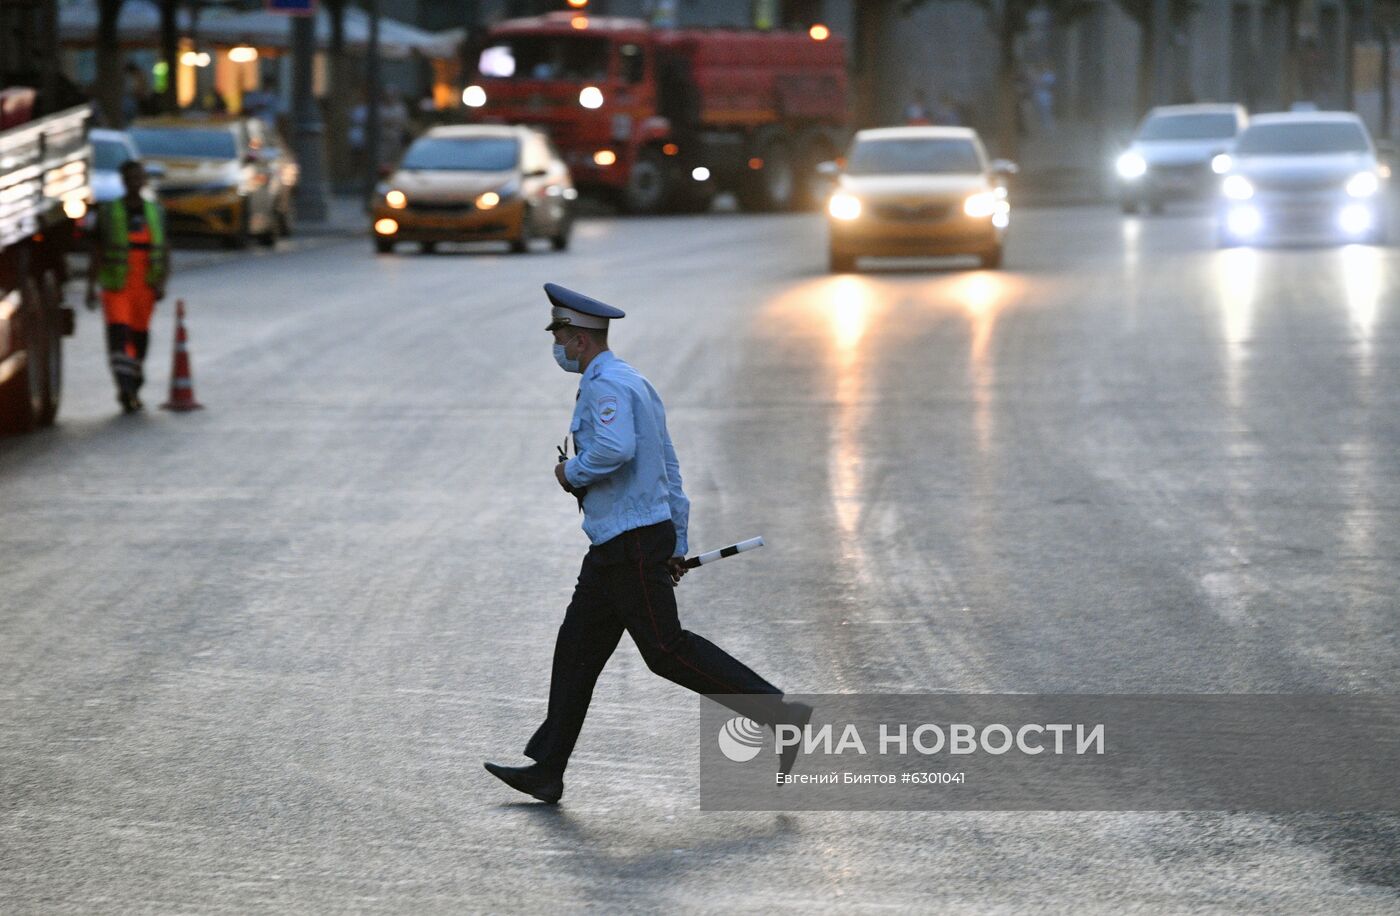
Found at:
[251, 658]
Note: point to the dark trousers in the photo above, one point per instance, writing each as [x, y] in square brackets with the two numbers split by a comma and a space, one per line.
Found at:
[624, 585]
[126, 353]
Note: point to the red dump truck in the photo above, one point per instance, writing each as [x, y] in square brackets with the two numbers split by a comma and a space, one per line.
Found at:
[43, 192]
[662, 118]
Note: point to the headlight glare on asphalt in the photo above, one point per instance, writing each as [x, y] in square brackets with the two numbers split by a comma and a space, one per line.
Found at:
[591, 97]
[843, 206]
[488, 200]
[980, 205]
[1355, 219]
[1243, 222]
[1237, 187]
[396, 199]
[1221, 164]
[1363, 184]
[1131, 166]
[386, 226]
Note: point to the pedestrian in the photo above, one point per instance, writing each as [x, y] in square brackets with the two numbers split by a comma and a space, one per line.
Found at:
[130, 261]
[627, 479]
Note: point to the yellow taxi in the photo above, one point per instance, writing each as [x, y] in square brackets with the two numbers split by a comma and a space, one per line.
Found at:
[465, 183]
[917, 191]
[224, 176]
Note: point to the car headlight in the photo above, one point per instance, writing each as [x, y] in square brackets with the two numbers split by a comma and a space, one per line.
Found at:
[396, 199]
[1363, 184]
[473, 97]
[591, 97]
[980, 205]
[1237, 187]
[843, 206]
[1221, 164]
[1131, 165]
[488, 200]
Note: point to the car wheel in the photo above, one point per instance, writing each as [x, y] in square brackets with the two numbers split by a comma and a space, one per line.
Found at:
[1156, 207]
[1130, 207]
[521, 243]
[384, 246]
[991, 259]
[560, 242]
[427, 247]
[284, 223]
[839, 263]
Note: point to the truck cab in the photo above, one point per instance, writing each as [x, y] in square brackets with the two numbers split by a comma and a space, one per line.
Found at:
[662, 119]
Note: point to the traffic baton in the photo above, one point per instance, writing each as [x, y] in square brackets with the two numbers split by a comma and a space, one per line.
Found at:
[713, 555]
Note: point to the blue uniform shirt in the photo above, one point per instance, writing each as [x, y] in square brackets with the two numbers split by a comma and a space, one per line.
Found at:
[623, 454]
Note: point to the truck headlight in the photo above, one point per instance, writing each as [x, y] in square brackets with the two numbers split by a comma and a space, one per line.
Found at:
[1237, 187]
[1363, 184]
[843, 206]
[591, 97]
[1131, 166]
[981, 205]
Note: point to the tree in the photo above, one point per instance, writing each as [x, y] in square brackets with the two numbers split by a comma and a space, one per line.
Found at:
[110, 79]
[1141, 12]
[1008, 20]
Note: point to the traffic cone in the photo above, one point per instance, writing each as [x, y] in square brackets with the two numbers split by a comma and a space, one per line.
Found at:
[181, 381]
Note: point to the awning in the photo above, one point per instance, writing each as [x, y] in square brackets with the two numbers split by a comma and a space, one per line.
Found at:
[139, 25]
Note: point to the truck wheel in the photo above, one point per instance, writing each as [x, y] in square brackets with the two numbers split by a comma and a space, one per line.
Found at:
[991, 258]
[839, 263]
[22, 398]
[51, 292]
[648, 184]
[773, 186]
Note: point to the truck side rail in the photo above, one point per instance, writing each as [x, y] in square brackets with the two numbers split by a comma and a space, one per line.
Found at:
[42, 164]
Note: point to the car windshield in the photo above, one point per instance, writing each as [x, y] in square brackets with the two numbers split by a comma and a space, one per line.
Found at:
[1302, 139]
[913, 156]
[545, 57]
[213, 143]
[475, 154]
[108, 155]
[1188, 127]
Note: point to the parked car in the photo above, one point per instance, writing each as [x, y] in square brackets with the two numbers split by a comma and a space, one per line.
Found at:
[477, 182]
[1303, 177]
[917, 191]
[1170, 155]
[222, 177]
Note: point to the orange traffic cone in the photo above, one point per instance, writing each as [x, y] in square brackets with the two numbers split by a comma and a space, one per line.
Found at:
[181, 381]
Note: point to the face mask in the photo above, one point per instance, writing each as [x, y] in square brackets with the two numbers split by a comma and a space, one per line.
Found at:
[568, 365]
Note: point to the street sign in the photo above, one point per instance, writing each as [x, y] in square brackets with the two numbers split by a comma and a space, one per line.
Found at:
[292, 7]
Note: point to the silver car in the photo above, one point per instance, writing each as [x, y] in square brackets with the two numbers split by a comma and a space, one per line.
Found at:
[1303, 178]
[1170, 155]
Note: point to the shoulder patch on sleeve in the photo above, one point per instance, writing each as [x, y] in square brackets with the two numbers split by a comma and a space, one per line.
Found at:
[607, 409]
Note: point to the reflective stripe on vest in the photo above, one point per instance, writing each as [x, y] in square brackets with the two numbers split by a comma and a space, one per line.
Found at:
[116, 246]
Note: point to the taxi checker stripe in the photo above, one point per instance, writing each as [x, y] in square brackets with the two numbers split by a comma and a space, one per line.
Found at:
[723, 552]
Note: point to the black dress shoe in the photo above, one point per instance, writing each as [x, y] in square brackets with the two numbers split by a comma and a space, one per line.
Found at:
[531, 780]
[798, 714]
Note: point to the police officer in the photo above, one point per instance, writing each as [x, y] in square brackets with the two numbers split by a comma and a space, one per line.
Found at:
[635, 514]
[131, 261]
